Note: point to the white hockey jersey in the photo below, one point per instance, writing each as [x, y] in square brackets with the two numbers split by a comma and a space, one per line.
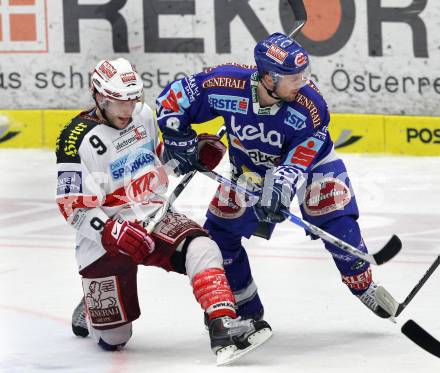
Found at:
[103, 170]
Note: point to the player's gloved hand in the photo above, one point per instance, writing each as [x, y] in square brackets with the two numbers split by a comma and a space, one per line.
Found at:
[123, 236]
[276, 195]
[181, 147]
[211, 150]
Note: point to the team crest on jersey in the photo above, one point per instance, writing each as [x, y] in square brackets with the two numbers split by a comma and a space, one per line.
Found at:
[232, 104]
[303, 154]
[295, 119]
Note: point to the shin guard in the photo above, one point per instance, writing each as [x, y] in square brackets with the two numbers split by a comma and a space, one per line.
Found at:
[212, 291]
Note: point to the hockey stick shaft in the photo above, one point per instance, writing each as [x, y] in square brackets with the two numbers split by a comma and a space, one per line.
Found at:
[421, 337]
[300, 13]
[176, 192]
[385, 254]
[418, 286]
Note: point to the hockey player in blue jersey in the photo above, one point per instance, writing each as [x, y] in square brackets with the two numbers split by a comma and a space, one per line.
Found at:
[277, 130]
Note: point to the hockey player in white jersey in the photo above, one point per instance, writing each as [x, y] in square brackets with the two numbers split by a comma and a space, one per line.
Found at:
[111, 184]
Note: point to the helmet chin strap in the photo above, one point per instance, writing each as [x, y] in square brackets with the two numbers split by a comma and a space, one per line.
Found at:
[271, 92]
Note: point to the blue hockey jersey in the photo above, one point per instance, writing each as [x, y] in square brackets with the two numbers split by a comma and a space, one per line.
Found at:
[293, 135]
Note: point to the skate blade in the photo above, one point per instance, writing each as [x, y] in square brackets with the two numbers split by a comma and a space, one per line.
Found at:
[228, 354]
[387, 302]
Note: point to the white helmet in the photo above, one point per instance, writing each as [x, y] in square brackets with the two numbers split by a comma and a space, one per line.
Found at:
[117, 79]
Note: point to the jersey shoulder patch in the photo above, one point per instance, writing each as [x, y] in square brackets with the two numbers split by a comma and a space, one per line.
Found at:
[227, 77]
[313, 104]
[71, 136]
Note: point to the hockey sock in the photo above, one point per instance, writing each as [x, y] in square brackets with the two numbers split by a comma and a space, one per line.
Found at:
[212, 291]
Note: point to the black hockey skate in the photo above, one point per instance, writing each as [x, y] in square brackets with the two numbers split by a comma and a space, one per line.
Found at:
[79, 323]
[370, 299]
[233, 338]
[258, 316]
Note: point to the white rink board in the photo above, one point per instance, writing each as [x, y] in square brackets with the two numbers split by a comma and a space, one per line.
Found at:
[318, 326]
[397, 74]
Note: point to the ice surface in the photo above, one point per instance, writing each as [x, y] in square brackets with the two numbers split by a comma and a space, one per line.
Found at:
[318, 325]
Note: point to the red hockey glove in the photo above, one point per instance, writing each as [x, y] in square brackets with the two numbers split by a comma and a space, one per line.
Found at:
[211, 150]
[128, 238]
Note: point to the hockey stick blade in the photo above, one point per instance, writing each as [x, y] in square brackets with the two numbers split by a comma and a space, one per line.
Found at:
[421, 337]
[389, 251]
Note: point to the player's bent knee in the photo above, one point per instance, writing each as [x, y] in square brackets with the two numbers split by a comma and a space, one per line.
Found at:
[112, 339]
[202, 253]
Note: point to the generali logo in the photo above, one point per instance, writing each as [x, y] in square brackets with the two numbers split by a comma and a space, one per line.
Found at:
[23, 26]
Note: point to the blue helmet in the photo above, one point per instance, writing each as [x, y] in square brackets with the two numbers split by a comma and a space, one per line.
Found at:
[280, 54]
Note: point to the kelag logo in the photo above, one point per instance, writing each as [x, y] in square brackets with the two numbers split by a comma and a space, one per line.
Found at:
[23, 26]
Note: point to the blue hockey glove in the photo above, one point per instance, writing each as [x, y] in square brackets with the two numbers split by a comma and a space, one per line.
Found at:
[181, 147]
[276, 195]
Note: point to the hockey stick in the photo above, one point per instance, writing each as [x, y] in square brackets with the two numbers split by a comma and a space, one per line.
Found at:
[176, 192]
[300, 14]
[391, 248]
[386, 300]
[421, 337]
